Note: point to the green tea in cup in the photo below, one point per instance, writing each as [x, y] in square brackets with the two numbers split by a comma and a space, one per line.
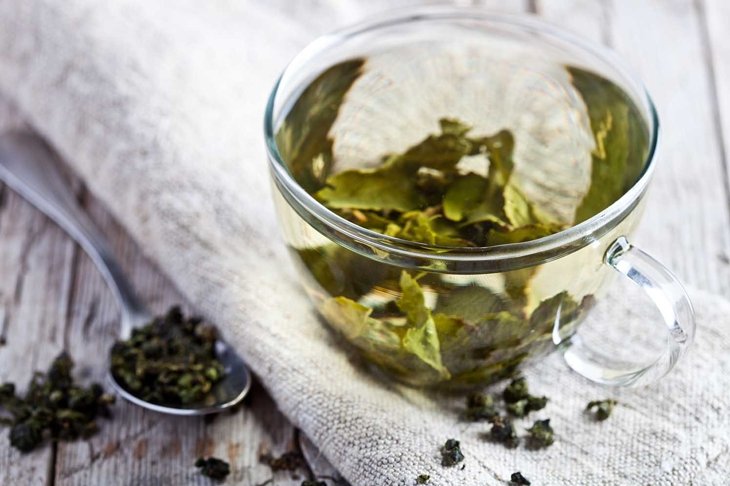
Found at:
[456, 189]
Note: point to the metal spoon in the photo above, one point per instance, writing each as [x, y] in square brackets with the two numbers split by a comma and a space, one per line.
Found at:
[31, 168]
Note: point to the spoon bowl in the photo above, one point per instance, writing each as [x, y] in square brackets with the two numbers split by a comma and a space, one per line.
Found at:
[30, 167]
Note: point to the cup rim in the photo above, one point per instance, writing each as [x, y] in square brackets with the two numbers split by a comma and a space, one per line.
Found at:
[499, 257]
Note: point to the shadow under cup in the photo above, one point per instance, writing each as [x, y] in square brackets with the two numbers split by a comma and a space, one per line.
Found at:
[515, 302]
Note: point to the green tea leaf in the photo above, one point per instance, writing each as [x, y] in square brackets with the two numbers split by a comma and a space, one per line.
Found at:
[447, 325]
[452, 126]
[561, 308]
[433, 230]
[470, 303]
[307, 150]
[423, 341]
[467, 201]
[463, 196]
[441, 152]
[422, 338]
[501, 330]
[517, 207]
[412, 301]
[348, 316]
[621, 140]
[500, 148]
[332, 267]
[521, 234]
[392, 187]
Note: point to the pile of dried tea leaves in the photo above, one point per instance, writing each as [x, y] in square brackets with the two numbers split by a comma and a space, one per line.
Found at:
[170, 361]
[54, 407]
[517, 402]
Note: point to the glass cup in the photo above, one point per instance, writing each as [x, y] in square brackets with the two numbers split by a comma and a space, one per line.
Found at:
[528, 298]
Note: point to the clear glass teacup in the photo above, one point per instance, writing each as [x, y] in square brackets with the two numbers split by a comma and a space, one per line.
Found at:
[480, 312]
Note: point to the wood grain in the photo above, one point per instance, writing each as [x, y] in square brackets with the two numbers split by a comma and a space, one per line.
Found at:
[715, 15]
[686, 222]
[54, 298]
[36, 262]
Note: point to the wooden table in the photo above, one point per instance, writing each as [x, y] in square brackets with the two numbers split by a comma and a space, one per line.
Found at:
[52, 298]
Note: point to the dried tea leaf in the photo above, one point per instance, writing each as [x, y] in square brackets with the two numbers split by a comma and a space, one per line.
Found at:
[214, 468]
[451, 453]
[480, 406]
[53, 406]
[503, 431]
[516, 390]
[517, 479]
[524, 406]
[601, 409]
[541, 434]
[170, 361]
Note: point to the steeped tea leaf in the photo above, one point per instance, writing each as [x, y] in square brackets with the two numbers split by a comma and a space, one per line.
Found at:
[432, 230]
[412, 301]
[392, 187]
[350, 317]
[521, 234]
[517, 207]
[451, 126]
[421, 339]
[621, 141]
[466, 200]
[303, 138]
[470, 303]
[441, 152]
[558, 308]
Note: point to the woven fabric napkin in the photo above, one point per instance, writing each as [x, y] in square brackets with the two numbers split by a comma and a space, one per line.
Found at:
[158, 106]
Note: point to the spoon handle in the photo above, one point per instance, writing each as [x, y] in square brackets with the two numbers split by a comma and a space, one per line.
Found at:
[31, 168]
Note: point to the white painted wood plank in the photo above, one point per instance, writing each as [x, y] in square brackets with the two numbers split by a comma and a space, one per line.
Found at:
[686, 222]
[36, 262]
[587, 19]
[716, 18]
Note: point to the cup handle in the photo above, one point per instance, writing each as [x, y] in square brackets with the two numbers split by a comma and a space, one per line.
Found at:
[664, 289]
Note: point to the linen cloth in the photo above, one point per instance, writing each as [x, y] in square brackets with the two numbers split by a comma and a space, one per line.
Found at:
[158, 106]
